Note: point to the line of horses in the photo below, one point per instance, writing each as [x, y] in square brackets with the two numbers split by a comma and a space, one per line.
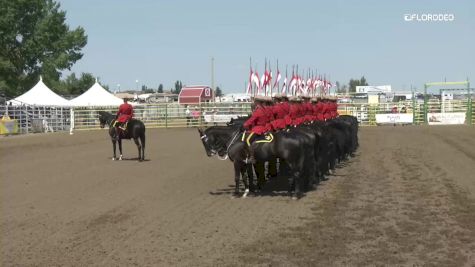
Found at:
[310, 151]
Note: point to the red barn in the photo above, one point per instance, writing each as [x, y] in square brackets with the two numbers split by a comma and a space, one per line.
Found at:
[195, 94]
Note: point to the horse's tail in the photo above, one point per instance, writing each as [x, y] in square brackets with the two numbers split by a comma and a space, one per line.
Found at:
[142, 140]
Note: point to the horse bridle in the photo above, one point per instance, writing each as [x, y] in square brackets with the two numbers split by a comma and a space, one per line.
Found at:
[214, 151]
[229, 145]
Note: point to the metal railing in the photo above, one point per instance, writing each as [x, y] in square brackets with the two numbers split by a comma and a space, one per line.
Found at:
[168, 115]
[40, 119]
[33, 119]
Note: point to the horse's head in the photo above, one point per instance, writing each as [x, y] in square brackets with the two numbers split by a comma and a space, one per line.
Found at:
[103, 116]
[205, 139]
[215, 139]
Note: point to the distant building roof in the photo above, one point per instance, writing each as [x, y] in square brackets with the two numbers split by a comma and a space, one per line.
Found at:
[195, 94]
[125, 95]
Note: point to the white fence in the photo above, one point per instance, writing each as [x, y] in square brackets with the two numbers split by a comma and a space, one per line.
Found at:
[41, 119]
[33, 119]
[167, 115]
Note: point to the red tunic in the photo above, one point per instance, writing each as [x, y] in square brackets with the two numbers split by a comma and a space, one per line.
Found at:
[125, 113]
[326, 111]
[258, 121]
[301, 114]
[318, 111]
[334, 110]
[308, 111]
[280, 112]
[294, 113]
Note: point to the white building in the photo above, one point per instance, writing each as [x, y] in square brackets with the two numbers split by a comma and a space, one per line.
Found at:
[373, 89]
[235, 97]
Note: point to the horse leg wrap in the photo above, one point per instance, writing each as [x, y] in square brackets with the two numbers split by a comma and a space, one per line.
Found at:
[245, 193]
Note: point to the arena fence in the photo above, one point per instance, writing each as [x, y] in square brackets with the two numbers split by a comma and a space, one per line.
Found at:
[168, 115]
[34, 119]
[28, 119]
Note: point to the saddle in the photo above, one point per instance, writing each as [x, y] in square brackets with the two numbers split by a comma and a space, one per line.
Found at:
[122, 128]
[251, 137]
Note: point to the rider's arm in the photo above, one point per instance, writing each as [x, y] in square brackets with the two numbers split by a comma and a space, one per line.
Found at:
[250, 122]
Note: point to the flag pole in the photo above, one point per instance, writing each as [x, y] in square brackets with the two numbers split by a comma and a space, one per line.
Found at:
[285, 79]
[250, 77]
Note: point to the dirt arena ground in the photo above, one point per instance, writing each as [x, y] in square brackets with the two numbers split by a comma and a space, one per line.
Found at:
[408, 198]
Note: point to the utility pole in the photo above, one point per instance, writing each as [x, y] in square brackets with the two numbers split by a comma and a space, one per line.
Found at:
[212, 80]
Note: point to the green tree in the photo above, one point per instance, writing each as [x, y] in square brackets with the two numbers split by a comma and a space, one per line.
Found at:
[341, 88]
[72, 85]
[178, 86]
[160, 88]
[146, 90]
[219, 93]
[34, 40]
[353, 83]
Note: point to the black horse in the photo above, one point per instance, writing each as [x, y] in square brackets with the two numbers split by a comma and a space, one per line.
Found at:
[225, 142]
[294, 147]
[135, 129]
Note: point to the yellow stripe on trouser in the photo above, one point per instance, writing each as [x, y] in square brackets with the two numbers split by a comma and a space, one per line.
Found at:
[249, 139]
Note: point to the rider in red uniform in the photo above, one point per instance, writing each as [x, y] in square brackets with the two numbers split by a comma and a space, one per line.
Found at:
[269, 111]
[326, 109]
[334, 108]
[295, 112]
[258, 123]
[259, 118]
[318, 110]
[125, 113]
[307, 110]
[280, 110]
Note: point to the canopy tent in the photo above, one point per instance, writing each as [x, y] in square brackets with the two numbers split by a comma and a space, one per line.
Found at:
[96, 96]
[40, 95]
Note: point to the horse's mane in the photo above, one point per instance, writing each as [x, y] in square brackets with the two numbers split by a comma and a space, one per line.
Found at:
[105, 113]
[222, 129]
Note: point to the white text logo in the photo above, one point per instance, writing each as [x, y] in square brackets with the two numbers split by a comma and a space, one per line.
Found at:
[427, 17]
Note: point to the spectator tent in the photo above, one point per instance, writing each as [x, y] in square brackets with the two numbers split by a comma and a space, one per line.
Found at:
[195, 95]
[96, 96]
[40, 95]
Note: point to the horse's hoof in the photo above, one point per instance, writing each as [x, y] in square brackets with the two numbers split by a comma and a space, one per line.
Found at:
[295, 198]
[120, 158]
[113, 159]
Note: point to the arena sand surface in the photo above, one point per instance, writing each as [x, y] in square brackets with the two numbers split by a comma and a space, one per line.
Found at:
[407, 198]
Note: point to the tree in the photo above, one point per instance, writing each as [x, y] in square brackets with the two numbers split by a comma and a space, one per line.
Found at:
[178, 86]
[71, 85]
[146, 90]
[34, 40]
[160, 88]
[218, 92]
[341, 88]
[353, 83]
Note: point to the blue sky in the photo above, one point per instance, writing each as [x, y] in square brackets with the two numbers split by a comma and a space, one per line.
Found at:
[163, 41]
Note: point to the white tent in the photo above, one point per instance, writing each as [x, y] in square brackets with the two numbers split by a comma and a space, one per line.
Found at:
[96, 96]
[40, 95]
